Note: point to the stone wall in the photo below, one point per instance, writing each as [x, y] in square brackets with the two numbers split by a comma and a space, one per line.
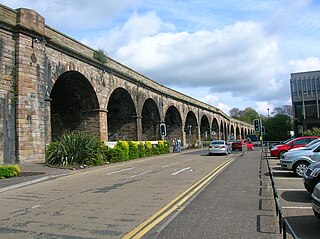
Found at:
[7, 96]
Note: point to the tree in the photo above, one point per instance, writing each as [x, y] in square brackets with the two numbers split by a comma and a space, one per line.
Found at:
[285, 109]
[278, 127]
[246, 115]
[234, 113]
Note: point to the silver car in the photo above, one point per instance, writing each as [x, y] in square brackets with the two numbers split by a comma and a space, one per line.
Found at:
[299, 160]
[219, 147]
[315, 202]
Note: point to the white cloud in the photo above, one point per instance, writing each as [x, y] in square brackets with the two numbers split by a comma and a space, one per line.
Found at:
[308, 64]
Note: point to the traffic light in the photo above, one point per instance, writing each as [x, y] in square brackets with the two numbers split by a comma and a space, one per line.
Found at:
[163, 131]
[256, 124]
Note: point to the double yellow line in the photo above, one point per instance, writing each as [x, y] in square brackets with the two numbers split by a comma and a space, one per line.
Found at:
[144, 227]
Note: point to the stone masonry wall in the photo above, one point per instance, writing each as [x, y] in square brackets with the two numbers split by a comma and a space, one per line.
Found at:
[7, 97]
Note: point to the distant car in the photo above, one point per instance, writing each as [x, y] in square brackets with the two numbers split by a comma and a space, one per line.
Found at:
[299, 161]
[237, 145]
[315, 201]
[312, 176]
[279, 150]
[218, 147]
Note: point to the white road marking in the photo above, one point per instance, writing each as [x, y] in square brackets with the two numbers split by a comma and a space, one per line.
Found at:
[296, 207]
[292, 189]
[180, 171]
[119, 171]
[140, 174]
[37, 206]
[164, 166]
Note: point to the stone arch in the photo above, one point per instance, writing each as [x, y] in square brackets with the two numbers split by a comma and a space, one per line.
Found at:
[205, 129]
[173, 123]
[191, 126]
[150, 120]
[238, 133]
[215, 129]
[74, 105]
[121, 116]
[233, 133]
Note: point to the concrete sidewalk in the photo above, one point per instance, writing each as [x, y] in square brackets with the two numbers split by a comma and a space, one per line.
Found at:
[32, 172]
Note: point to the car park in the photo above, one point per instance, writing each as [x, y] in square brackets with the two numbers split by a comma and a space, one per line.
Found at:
[299, 161]
[312, 176]
[315, 201]
[237, 145]
[218, 147]
[279, 150]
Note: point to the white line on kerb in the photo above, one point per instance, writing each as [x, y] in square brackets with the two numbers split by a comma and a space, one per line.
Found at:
[140, 174]
[119, 171]
[164, 166]
[296, 207]
[291, 189]
[180, 171]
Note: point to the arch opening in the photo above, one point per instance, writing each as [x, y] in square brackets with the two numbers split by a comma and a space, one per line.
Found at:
[150, 121]
[74, 105]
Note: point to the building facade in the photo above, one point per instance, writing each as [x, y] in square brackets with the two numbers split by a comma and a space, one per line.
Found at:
[305, 95]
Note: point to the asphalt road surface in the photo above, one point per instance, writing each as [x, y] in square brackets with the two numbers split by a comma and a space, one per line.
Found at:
[113, 200]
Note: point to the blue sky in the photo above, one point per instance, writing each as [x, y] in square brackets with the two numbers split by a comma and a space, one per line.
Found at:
[226, 53]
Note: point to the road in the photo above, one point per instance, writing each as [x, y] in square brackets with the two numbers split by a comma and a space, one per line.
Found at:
[185, 195]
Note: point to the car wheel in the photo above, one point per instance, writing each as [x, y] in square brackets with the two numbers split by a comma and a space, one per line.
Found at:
[281, 154]
[317, 214]
[300, 168]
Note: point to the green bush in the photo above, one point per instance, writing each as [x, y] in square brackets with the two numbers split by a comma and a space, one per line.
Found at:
[148, 149]
[76, 148]
[114, 155]
[133, 150]
[142, 150]
[313, 132]
[123, 146]
[163, 147]
[9, 171]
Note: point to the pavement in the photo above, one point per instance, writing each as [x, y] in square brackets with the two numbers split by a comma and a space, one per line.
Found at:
[33, 172]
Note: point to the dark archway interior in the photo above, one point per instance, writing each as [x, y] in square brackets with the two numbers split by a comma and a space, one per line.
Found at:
[121, 116]
[191, 128]
[150, 121]
[215, 130]
[173, 123]
[74, 105]
[205, 129]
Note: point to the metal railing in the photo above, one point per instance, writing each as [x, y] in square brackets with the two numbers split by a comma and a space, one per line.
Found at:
[284, 225]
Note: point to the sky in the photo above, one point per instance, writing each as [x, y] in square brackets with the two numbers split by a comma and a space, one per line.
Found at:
[229, 54]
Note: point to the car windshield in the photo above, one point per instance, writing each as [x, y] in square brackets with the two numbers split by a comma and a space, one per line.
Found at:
[217, 142]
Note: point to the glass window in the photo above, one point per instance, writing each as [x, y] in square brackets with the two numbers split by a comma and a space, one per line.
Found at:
[294, 87]
[304, 86]
[309, 85]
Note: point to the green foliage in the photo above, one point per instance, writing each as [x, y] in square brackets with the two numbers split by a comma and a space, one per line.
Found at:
[142, 150]
[100, 55]
[76, 148]
[123, 146]
[133, 150]
[278, 127]
[246, 115]
[9, 171]
[148, 149]
[313, 132]
[114, 155]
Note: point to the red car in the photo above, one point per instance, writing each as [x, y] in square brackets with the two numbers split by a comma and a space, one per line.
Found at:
[279, 150]
[237, 145]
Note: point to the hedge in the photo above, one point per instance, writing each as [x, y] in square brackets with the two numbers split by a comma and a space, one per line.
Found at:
[77, 148]
[9, 171]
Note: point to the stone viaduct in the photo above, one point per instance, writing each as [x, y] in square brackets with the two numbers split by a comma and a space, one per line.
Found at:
[50, 83]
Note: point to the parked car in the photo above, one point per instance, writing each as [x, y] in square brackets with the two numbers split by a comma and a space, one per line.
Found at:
[218, 147]
[279, 150]
[237, 145]
[299, 161]
[276, 144]
[315, 201]
[301, 150]
[312, 176]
